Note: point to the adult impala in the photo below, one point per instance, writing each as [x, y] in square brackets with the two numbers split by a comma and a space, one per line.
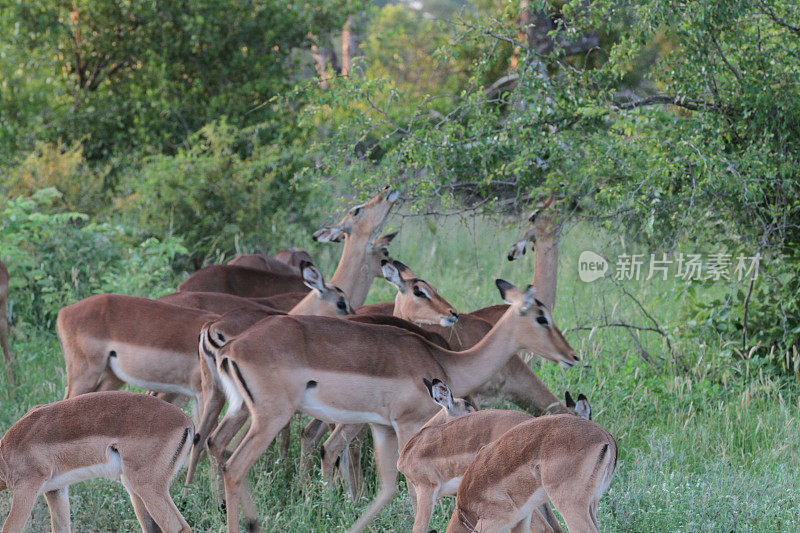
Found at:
[217, 302]
[111, 339]
[345, 372]
[291, 258]
[136, 438]
[4, 325]
[435, 459]
[561, 458]
[543, 233]
[358, 228]
[418, 301]
[420, 309]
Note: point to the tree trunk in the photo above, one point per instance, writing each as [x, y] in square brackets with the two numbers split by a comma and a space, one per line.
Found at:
[325, 61]
[352, 58]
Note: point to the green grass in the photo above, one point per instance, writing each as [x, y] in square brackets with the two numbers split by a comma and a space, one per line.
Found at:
[709, 444]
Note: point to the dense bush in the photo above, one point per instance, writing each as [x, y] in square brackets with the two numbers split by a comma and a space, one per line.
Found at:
[56, 258]
[226, 192]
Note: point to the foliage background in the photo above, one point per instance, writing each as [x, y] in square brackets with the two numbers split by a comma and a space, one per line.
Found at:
[140, 140]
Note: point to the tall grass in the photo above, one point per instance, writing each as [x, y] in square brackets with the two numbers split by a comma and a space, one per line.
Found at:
[708, 442]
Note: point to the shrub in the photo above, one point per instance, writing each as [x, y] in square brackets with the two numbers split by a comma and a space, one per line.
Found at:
[58, 258]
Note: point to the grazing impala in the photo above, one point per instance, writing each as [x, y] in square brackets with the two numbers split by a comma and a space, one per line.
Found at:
[135, 438]
[4, 326]
[561, 458]
[242, 281]
[349, 373]
[293, 256]
[266, 263]
[418, 301]
[435, 458]
[217, 302]
[111, 339]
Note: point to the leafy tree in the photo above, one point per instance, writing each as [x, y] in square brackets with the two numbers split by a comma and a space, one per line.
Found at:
[151, 73]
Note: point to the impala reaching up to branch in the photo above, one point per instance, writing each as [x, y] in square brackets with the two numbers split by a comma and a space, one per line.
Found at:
[543, 233]
[349, 373]
[435, 458]
[111, 339]
[561, 458]
[136, 438]
[4, 326]
[217, 302]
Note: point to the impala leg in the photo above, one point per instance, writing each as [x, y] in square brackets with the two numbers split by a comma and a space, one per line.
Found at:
[353, 474]
[386, 454]
[58, 503]
[284, 438]
[543, 519]
[425, 500]
[310, 438]
[161, 507]
[6, 349]
[258, 438]
[577, 515]
[220, 439]
[213, 402]
[21, 507]
[335, 445]
[142, 515]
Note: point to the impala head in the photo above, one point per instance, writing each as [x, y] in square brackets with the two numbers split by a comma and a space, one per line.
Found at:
[334, 300]
[293, 257]
[417, 300]
[581, 408]
[378, 251]
[536, 331]
[539, 224]
[452, 407]
[363, 220]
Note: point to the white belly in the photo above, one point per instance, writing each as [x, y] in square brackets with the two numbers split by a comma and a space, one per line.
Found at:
[450, 486]
[111, 469]
[312, 406]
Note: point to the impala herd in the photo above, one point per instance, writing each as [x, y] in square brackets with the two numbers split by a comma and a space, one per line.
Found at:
[270, 337]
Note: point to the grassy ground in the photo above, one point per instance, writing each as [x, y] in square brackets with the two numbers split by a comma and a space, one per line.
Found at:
[707, 440]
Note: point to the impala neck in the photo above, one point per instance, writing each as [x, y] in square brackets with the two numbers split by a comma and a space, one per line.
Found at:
[353, 274]
[470, 369]
[545, 270]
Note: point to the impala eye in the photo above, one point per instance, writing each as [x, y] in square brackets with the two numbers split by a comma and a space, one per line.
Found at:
[542, 320]
[355, 211]
[418, 293]
[341, 305]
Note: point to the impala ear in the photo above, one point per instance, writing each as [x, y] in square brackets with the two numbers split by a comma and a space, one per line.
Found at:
[312, 277]
[518, 250]
[389, 237]
[405, 272]
[583, 408]
[441, 394]
[508, 292]
[391, 274]
[528, 299]
[329, 234]
[568, 401]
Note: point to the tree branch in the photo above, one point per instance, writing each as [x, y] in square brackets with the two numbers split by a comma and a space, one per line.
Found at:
[658, 99]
